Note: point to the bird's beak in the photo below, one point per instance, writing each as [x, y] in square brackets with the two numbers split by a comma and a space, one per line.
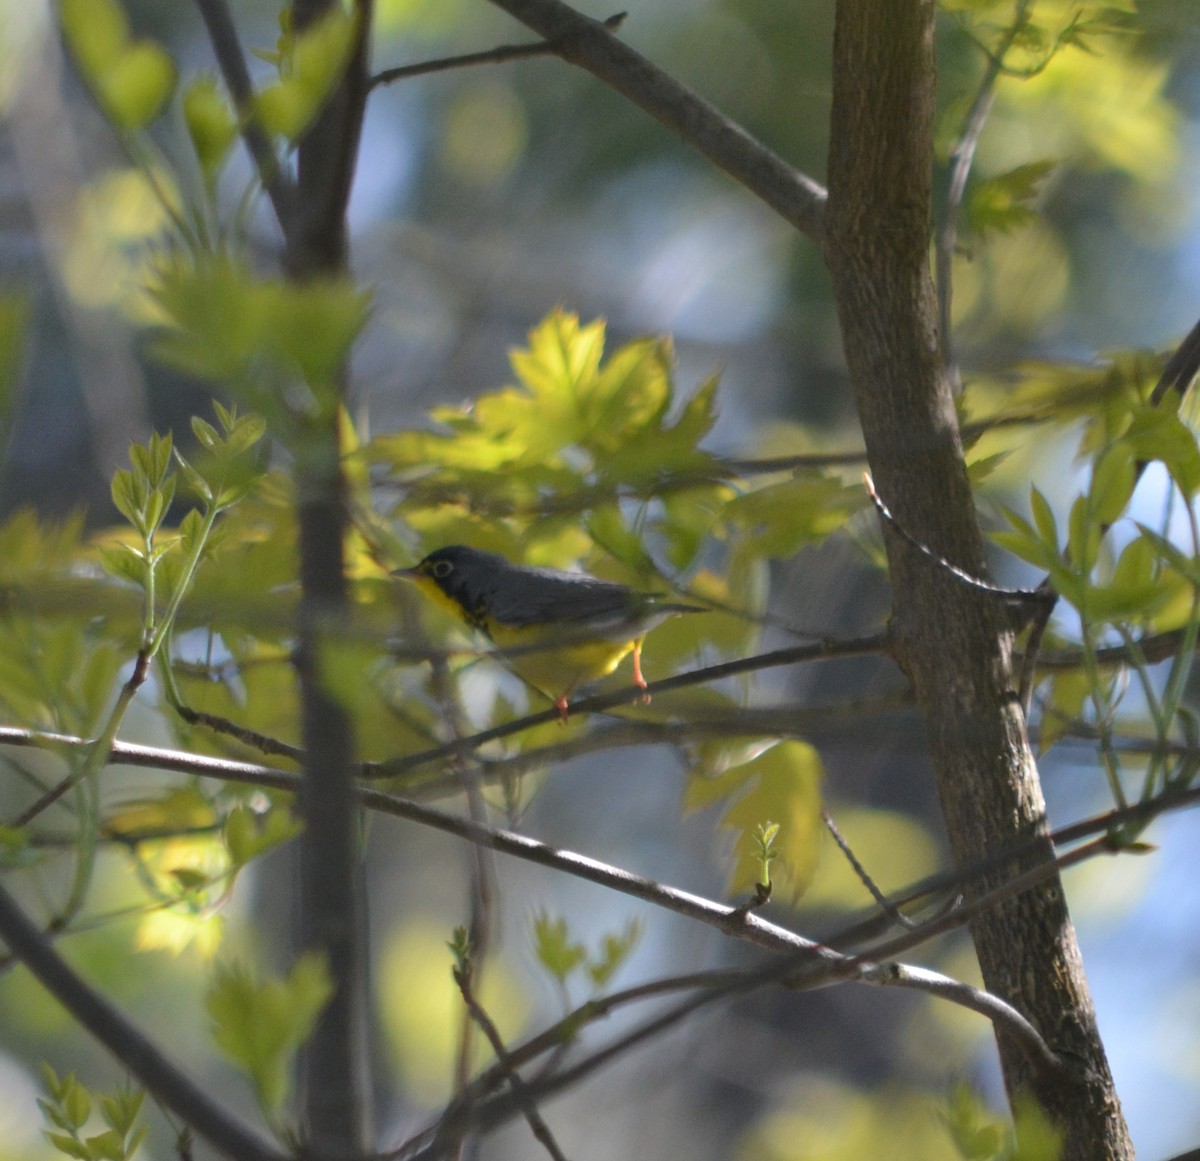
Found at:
[404, 573]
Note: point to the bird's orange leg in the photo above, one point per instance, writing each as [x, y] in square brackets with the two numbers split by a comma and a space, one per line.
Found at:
[638, 679]
[560, 704]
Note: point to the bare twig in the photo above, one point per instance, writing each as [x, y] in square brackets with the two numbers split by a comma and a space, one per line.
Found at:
[888, 907]
[499, 55]
[589, 44]
[813, 651]
[961, 159]
[1181, 368]
[529, 1109]
[263, 743]
[976, 1000]
[483, 870]
[480, 1115]
[1030, 596]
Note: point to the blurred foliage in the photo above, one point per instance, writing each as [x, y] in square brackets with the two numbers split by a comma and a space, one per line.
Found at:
[260, 1025]
[68, 1108]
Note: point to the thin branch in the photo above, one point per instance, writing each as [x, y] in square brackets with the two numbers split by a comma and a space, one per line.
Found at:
[483, 877]
[158, 1074]
[486, 1115]
[1181, 368]
[975, 999]
[1039, 597]
[466, 1115]
[813, 651]
[885, 904]
[529, 1109]
[263, 743]
[835, 966]
[590, 45]
[157, 758]
[752, 928]
[961, 159]
[499, 55]
[271, 778]
[228, 51]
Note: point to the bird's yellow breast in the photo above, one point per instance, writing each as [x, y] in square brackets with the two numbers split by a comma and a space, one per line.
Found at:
[551, 659]
[557, 662]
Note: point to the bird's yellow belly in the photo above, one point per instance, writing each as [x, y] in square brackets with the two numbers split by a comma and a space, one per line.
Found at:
[557, 667]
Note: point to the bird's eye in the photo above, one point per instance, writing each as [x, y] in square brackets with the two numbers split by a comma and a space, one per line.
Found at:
[442, 569]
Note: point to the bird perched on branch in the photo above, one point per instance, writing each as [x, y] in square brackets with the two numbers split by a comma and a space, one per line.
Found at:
[558, 630]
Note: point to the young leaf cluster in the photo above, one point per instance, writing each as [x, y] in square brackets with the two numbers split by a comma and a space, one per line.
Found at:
[68, 1107]
[259, 1024]
[564, 957]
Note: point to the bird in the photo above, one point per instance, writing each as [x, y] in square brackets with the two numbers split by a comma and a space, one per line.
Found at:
[558, 630]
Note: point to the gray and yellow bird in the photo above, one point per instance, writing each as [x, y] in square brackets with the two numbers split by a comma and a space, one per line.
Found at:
[562, 629]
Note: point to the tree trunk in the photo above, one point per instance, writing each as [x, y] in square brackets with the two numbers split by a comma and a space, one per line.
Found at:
[950, 640]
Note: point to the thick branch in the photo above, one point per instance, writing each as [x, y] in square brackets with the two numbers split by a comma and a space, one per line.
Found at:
[589, 44]
[951, 641]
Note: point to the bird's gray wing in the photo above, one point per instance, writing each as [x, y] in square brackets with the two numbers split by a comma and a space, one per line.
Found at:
[548, 596]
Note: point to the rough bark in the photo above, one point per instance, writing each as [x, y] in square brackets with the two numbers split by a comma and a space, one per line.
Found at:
[951, 640]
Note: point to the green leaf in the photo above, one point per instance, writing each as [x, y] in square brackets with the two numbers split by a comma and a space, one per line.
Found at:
[553, 946]
[699, 414]
[614, 951]
[1037, 1138]
[1159, 434]
[312, 65]
[1113, 478]
[1083, 536]
[211, 125]
[562, 358]
[780, 785]
[76, 1102]
[194, 480]
[311, 326]
[128, 495]
[805, 509]
[53, 1113]
[248, 834]
[132, 80]
[629, 394]
[1066, 694]
[225, 323]
[97, 34]
[95, 684]
[181, 809]
[120, 1110]
[125, 562]
[108, 1145]
[977, 1133]
[242, 431]
[1005, 202]
[68, 1145]
[259, 1026]
[1187, 566]
[1043, 517]
[53, 1085]
[134, 92]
